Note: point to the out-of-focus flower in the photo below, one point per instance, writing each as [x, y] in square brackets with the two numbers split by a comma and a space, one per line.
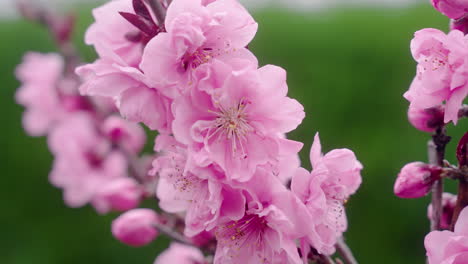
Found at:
[84, 160]
[129, 136]
[452, 8]
[121, 194]
[136, 227]
[180, 254]
[448, 205]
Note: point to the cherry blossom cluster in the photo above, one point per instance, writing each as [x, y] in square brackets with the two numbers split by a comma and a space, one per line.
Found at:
[91, 144]
[436, 98]
[229, 183]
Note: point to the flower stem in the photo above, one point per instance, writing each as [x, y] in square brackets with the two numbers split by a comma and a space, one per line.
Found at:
[436, 152]
[345, 252]
[173, 234]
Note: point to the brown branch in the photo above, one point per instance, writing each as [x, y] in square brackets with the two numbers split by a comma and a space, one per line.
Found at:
[345, 252]
[436, 152]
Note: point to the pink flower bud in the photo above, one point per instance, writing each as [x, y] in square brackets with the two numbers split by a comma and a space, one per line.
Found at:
[121, 195]
[415, 180]
[136, 227]
[451, 8]
[460, 24]
[426, 120]
[448, 206]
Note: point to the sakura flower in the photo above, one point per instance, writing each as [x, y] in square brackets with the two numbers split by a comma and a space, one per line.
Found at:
[181, 254]
[121, 194]
[84, 160]
[136, 101]
[195, 191]
[129, 135]
[335, 176]
[108, 34]
[238, 125]
[416, 179]
[136, 227]
[446, 247]
[448, 206]
[441, 72]
[452, 8]
[44, 92]
[274, 219]
[116, 73]
[198, 34]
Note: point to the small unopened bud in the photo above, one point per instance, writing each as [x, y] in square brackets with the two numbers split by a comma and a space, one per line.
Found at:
[136, 227]
[460, 24]
[448, 206]
[427, 120]
[415, 180]
[121, 195]
[451, 8]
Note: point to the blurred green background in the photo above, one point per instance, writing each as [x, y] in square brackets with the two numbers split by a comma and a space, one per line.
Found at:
[349, 67]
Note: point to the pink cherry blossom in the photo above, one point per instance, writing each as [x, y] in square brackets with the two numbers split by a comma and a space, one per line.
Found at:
[274, 219]
[136, 101]
[236, 123]
[121, 194]
[335, 176]
[195, 191]
[415, 180]
[446, 247]
[129, 135]
[441, 72]
[136, 227]
[45, 94]
[84, 160]
[108, 34]
[452, 8]
[197, 35]
[448, 205]
[181, 254]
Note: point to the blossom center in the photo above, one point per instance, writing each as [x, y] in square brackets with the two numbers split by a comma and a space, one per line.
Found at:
[232, 124]
[438, 59]
[197, 58]
[246, 233]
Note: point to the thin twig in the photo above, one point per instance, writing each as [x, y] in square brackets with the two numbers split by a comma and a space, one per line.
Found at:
[345, 252]
[436, 153]
[326, 260]
[173, 235]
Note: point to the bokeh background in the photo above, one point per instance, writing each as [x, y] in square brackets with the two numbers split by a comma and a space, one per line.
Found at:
[348, 65]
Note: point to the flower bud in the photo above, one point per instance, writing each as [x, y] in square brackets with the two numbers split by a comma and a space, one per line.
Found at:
[451, 8]
[180, 254]
[427, 120]
[448, 206]
[136, 227]
[460, 24]
[121, 195]
[415, 180]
